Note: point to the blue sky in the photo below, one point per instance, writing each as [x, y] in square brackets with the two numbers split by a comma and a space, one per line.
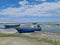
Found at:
[29, 10]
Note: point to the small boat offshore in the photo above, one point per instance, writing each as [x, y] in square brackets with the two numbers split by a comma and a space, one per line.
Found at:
[12, 26]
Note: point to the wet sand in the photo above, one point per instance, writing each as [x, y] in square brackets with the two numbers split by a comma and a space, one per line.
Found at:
[35, 38]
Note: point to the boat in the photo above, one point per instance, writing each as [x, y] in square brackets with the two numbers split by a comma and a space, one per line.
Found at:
[27, 30]
[12, 26]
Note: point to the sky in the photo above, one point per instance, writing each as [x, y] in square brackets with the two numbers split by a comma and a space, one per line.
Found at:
[29, 10]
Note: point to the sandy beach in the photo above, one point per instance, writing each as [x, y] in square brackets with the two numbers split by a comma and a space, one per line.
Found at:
[35, 38]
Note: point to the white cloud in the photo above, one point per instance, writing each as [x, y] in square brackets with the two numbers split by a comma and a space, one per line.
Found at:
[23, 3]
[44, 9]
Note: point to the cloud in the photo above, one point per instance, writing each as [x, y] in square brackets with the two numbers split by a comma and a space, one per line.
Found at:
[23, 3]
[44, 9]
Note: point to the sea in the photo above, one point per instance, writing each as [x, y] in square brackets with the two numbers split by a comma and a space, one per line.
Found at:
[46, 29]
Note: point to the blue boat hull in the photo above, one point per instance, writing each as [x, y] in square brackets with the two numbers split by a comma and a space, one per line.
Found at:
[22, 30]
[12, 26]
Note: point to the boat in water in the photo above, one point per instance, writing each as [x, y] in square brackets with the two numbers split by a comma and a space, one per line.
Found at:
[12, 26]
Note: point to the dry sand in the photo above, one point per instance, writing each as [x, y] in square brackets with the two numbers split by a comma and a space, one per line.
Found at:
[20, 41]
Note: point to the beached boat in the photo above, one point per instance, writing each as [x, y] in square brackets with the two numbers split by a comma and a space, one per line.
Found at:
[27, 30]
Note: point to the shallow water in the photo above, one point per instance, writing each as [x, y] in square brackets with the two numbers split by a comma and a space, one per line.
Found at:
[47, 29]
[51, 29]
[8, 30]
